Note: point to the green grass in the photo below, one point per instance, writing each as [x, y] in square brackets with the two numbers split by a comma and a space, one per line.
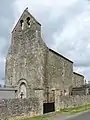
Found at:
[37, 118]
[74, 110]
[43, 117]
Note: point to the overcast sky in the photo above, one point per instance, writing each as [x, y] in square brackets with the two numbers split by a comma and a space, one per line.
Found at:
[65, 28]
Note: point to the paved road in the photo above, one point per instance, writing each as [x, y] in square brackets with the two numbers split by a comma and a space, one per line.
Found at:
[81, 116]
[84, 116]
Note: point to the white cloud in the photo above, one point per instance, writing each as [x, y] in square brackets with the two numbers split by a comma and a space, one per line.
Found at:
[66, 27]
[84, 71]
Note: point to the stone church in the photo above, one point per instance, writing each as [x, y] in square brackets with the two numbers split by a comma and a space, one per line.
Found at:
[33, 69]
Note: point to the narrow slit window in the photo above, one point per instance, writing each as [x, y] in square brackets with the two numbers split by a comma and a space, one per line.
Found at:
[28, 21]
[22, 24]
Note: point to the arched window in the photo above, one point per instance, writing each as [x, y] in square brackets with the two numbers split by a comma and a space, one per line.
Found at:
[28, 21]
[22, 24]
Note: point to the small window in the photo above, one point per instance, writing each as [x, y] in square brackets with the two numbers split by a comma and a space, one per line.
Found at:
[22, 24]
[28, 21]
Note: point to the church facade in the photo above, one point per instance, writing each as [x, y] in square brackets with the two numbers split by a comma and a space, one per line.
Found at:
[32, 68]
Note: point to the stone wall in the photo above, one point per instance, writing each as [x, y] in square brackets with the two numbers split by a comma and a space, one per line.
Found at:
[78, 80]
[54, 71]
[26, 57]
[67, 74]
[33, 106]
[59, 71]
[16, 107]
[71, 101]
[79, 91]
[7, 93]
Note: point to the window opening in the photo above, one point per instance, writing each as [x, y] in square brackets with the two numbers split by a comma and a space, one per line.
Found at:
[22, 24]
[28, 21]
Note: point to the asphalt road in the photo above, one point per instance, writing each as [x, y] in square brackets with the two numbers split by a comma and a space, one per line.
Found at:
[83, 116]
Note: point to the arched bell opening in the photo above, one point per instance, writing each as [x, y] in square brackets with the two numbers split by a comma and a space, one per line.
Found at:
[28, 21]
[22, 24]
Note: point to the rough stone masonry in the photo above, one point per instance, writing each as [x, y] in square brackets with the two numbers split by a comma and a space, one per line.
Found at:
[21, 108]
[31, 65]
[33, 69]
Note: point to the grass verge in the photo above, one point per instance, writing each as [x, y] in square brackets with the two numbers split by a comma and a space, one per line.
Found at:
[37, 118]
[74, 110]
[42, 117]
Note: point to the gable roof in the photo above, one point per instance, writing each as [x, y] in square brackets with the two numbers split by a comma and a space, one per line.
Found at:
[58, 54]
[26, 10]
[78, 74]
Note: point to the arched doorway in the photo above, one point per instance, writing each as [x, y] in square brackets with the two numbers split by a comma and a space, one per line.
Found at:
[22, 90]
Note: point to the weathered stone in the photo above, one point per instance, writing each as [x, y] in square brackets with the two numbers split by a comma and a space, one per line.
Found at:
[40, 74]
[32, 106]
[19, 107]
[78, 80]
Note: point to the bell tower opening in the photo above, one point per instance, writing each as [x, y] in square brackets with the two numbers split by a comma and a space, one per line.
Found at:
[22, 24]
[28, 21]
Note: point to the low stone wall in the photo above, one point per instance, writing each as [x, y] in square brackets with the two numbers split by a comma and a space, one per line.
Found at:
[71, 101]
[34, 106]
[18, 107]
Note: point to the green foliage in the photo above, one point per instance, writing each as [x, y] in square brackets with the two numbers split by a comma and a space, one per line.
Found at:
[74, 110]
[37, 118]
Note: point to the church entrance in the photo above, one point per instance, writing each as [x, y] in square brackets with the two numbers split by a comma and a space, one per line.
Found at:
[48, 107]
[49, 104]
